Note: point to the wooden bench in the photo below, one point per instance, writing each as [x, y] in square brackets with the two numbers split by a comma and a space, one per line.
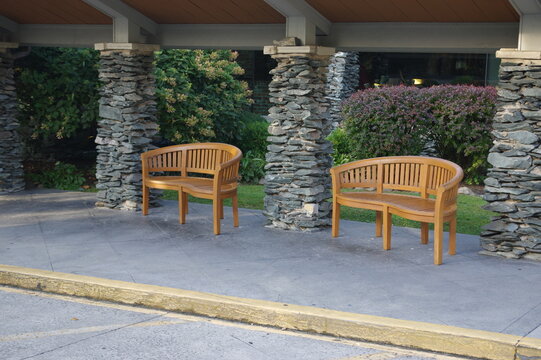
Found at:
[204, 170]
[423, 175]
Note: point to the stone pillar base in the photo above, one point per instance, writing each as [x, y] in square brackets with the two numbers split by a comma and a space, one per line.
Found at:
[513, 185]
[297, 181]
[11, 148]
[127, 122]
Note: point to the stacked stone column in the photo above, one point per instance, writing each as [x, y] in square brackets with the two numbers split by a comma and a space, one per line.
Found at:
[127, 122]
[297, 180]
[342, 82]
[513, 185]
[11, 148]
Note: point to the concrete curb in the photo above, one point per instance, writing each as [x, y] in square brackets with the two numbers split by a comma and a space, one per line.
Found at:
[411, 334]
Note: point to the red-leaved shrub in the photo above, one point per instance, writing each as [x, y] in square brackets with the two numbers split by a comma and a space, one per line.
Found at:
[401, 120]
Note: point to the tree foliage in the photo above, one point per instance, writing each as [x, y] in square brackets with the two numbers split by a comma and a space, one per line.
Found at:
[57, 90]
[198, 95]
[199, 98]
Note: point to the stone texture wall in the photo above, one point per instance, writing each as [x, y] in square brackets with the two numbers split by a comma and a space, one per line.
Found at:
[126, 126]
[513, 185]
[11, 148]
[297, 181]
[342, 81]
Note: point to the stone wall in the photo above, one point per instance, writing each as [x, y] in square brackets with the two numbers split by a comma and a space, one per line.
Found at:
[513, 185]
[297, 181]
[342, 81]
[11, 149]
[126, 126]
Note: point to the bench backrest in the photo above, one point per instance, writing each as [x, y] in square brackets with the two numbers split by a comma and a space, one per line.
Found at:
[408, 173]
[202, 158]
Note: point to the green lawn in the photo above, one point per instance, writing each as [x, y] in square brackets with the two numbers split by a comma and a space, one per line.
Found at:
[470, 215]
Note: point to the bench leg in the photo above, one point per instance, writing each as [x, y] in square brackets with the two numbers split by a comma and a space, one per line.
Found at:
[216, 215]
[185, 204]
[335, 218]
[387, 228]
[452, 236]
[379, 223]
[221, 208]
[438, 241]
[146, 195]
[424, 233]
[235, 206]
[182, 206]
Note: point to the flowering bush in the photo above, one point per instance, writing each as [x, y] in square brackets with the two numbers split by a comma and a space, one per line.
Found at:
[386, 121]
[401, 120]
[199, 98]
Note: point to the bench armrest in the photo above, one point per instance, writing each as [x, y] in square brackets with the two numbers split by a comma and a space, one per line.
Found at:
[228, 172]
[446, 194]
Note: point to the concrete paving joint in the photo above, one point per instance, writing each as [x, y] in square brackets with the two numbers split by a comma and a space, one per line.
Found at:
[411, 334]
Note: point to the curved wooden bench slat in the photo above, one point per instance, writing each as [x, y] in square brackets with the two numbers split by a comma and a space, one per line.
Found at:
[424, 175]
[220, 161]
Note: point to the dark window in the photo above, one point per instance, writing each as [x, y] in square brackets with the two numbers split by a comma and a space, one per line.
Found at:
[422, 69]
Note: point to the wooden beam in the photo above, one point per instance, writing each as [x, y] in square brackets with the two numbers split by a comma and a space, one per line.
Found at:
[525, 7]
[530, 32]
[8, 24]
[125, 14]
[64, 35]
[423, 37]
[220, 36]
[380, 37]
[529, 37]
[301, 28]
[300, 8]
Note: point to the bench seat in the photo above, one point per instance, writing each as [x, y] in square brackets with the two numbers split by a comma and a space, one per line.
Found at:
[410, 203]
[189, 184]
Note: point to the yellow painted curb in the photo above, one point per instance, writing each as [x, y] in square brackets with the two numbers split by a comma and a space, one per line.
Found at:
[411, 334]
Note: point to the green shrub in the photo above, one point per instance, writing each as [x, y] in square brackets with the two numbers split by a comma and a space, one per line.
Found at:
[341, 147]
[57, 90]
[252, 167]
[199, 98]
[63, 176]
[252, 141]
[253, 133]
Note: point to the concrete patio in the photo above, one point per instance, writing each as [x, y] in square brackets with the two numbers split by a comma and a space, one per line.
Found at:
[64, 232]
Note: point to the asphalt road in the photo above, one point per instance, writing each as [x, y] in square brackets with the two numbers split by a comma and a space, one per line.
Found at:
[37, 325]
